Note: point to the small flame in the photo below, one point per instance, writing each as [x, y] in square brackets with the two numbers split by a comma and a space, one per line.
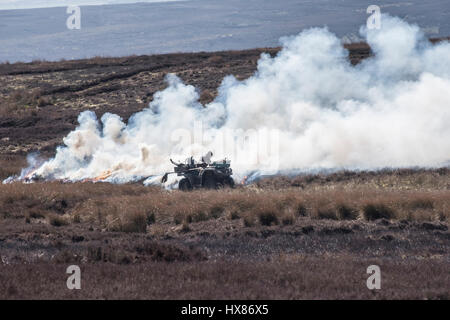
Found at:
[30, 176]
[27, 176]
[103, 176]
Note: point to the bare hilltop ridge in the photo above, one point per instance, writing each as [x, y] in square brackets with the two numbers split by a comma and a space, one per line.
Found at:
[307, 236]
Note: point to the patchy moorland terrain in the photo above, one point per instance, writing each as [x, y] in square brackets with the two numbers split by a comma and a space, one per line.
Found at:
[309, 236]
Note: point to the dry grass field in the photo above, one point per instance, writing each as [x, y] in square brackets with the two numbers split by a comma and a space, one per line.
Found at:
[282, 238]
[309, 236]
[411, 196]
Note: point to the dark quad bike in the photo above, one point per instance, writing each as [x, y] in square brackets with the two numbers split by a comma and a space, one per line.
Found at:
[202, 175]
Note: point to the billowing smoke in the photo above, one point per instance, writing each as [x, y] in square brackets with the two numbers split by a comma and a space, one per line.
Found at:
[307, 108]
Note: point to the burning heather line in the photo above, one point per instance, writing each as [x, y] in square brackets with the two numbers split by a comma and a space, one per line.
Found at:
[27, 174]
[307, 108]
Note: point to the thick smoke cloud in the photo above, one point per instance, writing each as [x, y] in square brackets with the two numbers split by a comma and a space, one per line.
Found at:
[307, 108]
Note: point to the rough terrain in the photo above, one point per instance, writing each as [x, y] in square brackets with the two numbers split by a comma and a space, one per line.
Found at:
[309, 236]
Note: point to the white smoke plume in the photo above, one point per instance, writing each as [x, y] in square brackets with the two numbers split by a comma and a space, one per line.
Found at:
[309, 106]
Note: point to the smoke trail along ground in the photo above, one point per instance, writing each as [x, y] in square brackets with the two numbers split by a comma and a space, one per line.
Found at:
[306, 108]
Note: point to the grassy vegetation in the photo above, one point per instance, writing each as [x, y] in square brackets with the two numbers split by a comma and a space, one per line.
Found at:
[133, 207]
[22, 102]
[279, 277]
[11, 165]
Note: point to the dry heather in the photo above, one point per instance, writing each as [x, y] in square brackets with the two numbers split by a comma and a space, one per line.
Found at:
[10, 165]
[293, 277]
[309, 236]
[23, 102]
[133, 207]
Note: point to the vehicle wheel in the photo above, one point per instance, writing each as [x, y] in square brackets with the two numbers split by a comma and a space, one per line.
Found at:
[229, 182]
[184, 185]
[219, 185]
[209, 181]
